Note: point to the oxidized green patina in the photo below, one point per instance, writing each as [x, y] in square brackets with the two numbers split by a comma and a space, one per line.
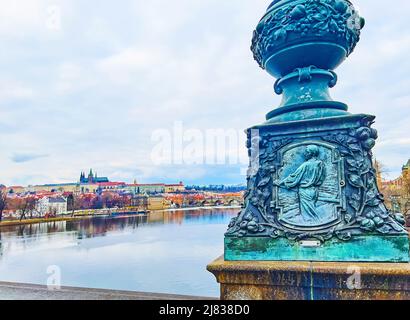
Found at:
[312, 189]
[369, 248]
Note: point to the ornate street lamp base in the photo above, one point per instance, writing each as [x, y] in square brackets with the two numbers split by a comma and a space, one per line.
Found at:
[312, 188]
[313, 196]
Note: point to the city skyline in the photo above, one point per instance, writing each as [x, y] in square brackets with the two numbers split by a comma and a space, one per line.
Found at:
[85, 179]
[86, 85]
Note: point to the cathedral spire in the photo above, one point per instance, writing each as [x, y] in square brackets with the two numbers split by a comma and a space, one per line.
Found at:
[91, 176]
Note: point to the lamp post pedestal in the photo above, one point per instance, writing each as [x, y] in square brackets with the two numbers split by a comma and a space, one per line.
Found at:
[296, 280]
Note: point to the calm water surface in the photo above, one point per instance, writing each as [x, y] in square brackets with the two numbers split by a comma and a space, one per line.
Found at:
[164, 252]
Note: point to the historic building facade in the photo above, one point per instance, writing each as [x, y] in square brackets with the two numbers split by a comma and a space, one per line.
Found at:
[398, 184]
[52, 205]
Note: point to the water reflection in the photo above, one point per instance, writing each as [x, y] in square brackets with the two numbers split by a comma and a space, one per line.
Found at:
[160, 252]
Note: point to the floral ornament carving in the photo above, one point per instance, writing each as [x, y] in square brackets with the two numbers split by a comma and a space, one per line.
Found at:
[365, 213]
[313, 18]
[254, 218]
[249, 224]
[367, 209]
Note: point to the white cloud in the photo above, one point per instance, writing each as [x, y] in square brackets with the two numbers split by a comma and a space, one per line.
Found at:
[90, 94]
[20, 16]
[13, 90]
[129, 60]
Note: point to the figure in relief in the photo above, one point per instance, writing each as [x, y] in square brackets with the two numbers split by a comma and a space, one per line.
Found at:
[307, 179]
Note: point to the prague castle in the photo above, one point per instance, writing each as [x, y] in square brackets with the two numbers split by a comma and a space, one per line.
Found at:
[94, 184]
[92, 178]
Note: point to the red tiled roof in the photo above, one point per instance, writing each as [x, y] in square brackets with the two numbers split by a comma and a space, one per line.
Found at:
[111, 184]
[146, 184]
[45, 194]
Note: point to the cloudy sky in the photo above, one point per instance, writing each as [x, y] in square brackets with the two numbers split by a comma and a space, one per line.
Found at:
[88, 83]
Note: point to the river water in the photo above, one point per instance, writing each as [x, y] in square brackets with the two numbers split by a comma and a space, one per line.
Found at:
[164, 252]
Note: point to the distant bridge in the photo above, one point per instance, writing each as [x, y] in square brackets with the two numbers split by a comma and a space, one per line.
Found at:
[221, 202]
[209, 200]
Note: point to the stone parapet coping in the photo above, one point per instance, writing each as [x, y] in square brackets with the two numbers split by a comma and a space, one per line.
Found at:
[295, 280]
[20, 291]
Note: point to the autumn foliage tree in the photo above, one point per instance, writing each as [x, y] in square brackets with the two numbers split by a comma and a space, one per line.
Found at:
[3, 203]
[112, 199]
[406, 183]
[26, 206]
[74, 202]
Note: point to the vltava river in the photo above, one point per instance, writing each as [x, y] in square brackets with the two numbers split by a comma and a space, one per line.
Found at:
[164, 252]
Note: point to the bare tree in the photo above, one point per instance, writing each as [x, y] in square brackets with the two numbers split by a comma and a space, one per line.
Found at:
[31, 205]
[22, 208]
[3, 203]
[26, 205]
[53, 212]
[74, 202]
[406, 210]
[378, 167]
[406, 183]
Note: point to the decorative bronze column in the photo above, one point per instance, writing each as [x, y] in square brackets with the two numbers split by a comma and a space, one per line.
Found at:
[314, 196]
[314, 225]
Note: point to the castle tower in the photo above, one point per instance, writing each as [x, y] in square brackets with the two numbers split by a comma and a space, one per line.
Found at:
[91, 176]
[406, 167]
[82, 177]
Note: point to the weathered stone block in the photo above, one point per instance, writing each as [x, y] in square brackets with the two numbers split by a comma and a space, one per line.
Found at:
[295, 280]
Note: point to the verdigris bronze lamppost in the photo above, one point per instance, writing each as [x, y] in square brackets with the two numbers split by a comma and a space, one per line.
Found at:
[314, 194]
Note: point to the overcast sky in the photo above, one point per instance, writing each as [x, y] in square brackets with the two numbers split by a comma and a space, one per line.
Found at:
[89, 89]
